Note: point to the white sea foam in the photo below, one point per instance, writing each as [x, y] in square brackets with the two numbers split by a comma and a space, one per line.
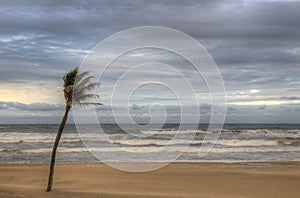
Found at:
[34, 143]
[173, 132]
[231, 143]
[15, 138]
[156, 149]
[236, 142]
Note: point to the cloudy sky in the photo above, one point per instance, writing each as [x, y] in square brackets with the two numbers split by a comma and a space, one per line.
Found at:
[255, 43]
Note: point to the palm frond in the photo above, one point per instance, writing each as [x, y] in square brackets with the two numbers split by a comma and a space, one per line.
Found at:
[81, 75]
[83, 97]
[86, 88]
[84, 81]
[76, 86]
[69, 78]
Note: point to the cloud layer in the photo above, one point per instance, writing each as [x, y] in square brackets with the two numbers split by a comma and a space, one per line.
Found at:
[254, 43]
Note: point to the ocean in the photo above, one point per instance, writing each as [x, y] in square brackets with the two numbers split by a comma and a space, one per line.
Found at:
[237, 143]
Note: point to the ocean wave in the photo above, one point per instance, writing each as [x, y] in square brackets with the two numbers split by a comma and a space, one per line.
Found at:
[173, 132]
[11, 150]
[153, 149]
[238, 142]
[161, 138]
[228, 143]
[157, 141]
[36, 141]
[288, 142]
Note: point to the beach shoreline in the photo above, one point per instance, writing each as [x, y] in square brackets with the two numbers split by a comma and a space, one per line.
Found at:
[179, 179]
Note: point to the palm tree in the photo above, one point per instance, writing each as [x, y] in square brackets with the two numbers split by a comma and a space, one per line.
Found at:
[76, 85]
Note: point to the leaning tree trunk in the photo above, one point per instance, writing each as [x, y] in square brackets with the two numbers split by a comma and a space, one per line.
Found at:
[59, 133]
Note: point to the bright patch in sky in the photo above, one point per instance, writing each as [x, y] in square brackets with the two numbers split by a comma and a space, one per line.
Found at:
[254, 91]
[28, 93]
[266, 102]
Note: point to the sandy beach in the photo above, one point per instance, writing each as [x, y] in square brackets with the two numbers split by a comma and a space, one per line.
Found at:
[176, 180]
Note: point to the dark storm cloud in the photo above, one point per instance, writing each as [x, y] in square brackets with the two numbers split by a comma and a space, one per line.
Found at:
[290, 98]
[135, 107]
[262, 108]
[255, 43]
[43, 39]
[30, 107]
[55, 34]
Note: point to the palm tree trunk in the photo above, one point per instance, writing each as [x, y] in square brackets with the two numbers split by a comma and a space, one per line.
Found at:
[59, 133]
